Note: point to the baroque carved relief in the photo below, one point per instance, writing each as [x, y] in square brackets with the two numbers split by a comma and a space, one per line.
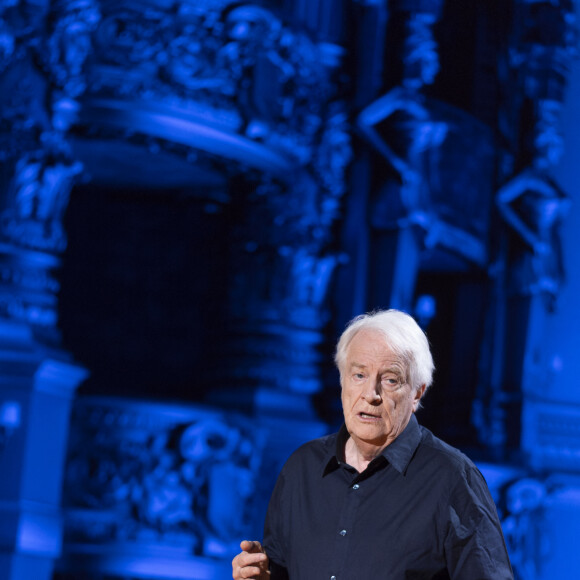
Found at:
[235, 67]
[160, 475]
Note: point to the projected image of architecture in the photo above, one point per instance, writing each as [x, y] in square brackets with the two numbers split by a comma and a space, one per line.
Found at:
[196, 196]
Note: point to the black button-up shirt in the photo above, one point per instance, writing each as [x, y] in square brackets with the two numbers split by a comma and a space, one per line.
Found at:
[421, 510]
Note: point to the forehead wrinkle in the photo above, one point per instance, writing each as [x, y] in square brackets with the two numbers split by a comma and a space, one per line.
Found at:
[396, 367]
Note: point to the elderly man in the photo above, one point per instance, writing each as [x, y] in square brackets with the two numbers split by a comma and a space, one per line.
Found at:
[383, 497]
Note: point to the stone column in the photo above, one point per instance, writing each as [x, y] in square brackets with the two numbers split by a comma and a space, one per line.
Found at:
[37, 379]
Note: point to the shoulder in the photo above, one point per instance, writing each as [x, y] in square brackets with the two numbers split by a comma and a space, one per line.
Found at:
[313, 454]
[458, 476]
[450, 464]
[447, 456]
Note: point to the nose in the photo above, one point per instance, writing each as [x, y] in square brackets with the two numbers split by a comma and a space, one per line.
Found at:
[372, 391]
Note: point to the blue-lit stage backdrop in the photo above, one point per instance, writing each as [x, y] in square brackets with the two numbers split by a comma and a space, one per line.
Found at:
[196, 196]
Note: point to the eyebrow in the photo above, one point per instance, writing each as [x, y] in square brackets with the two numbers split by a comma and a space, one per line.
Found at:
[392, 369]
[358, 365]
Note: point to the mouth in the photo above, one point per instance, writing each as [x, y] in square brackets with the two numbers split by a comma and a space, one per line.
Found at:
[368, 416]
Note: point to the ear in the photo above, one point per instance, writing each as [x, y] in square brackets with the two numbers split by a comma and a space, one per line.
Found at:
[418, 395]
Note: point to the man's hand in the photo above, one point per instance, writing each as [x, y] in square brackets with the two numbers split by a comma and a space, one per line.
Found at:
[252, 562]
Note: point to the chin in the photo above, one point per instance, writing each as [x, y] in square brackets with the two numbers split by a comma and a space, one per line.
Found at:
[374, 436]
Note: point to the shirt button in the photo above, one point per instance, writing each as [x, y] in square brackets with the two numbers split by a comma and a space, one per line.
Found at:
[343, 532]
[356, 486]
[333, 578]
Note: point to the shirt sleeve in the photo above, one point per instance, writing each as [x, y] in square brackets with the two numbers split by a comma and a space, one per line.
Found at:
[274, 543]
[474, 544]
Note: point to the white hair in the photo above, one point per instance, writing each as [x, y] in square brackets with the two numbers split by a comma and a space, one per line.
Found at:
[402, 335]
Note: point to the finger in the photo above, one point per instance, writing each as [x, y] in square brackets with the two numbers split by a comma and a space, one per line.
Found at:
[250, 572]
[242, 571]
[249, 559]
[251, 546]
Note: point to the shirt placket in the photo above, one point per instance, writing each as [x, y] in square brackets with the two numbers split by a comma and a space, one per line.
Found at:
[345, 529]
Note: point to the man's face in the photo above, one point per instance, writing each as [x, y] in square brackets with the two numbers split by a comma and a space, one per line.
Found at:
[377, 401]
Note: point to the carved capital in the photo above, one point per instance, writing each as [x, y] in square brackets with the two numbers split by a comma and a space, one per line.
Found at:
[36, 201]
[32, 236]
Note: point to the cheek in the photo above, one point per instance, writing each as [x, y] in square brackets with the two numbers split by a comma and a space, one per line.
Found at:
[346, 397]
[397, 401]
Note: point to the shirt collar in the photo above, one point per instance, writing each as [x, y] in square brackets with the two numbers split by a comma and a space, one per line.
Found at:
[399, 453]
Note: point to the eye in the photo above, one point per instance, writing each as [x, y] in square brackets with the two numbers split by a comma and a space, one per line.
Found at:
[358, 377]
[391, 381]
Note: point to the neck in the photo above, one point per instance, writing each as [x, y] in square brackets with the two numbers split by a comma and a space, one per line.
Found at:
[360, 453]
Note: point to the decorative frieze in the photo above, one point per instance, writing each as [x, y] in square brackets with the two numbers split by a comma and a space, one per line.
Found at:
[145, 473]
